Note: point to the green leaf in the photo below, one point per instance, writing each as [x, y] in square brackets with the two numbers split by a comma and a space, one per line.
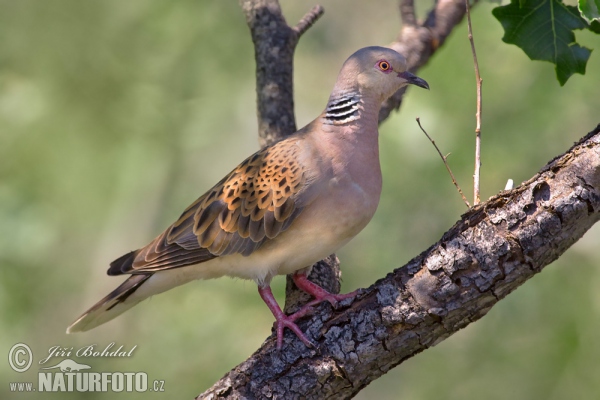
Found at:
[543, 29]
[589, 10]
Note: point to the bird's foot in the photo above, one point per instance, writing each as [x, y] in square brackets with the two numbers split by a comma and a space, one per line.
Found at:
[284, 321]
[333, 299]
[318, 293]
[288, 321]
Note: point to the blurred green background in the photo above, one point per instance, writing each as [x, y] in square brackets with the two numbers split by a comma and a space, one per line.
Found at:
[115, 115]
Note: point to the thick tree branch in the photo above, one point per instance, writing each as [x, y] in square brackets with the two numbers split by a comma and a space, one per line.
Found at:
[274, 45]
[491, 251]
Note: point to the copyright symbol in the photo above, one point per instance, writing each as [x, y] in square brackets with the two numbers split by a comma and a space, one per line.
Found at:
[20, 357]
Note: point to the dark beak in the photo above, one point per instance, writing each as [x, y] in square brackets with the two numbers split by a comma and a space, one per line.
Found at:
[413, 79]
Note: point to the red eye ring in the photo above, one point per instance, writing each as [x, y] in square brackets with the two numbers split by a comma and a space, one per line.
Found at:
[384, 66]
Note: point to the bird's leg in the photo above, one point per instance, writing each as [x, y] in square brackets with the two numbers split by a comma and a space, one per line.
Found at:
[282, 320]
[320, 294]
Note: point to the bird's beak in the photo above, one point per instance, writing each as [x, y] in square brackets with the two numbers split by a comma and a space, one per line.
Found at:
[413, 79]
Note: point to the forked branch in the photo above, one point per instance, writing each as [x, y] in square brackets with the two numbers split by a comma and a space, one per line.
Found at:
[274, 45]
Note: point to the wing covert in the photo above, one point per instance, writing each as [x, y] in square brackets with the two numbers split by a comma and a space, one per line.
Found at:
[254, 203]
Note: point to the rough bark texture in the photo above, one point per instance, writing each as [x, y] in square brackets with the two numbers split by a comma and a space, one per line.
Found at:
[274, 45]
[491, 251]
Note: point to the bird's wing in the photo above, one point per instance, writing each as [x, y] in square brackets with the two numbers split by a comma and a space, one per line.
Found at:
[253, 204]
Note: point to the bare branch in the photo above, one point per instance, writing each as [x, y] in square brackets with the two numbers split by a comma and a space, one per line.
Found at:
[274, 45]
[445, 160]
[476, 174]
[407, 13]
[491, 251]
[308, 20]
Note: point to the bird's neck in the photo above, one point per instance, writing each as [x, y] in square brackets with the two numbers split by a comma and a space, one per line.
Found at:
[351, 108]
[349, 123]
[349, 137]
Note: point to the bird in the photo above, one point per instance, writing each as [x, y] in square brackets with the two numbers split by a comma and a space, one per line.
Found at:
[282, 209]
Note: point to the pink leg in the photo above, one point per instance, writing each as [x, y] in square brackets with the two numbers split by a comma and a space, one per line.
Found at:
[282, 320]
[320, 294]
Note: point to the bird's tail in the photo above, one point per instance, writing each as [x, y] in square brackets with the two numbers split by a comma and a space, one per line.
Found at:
[117, 302]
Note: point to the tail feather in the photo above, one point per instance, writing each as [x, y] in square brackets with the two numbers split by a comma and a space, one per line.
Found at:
[122, 263]
[114, 304]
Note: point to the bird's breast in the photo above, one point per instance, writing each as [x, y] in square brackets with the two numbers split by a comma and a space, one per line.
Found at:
[354, 201]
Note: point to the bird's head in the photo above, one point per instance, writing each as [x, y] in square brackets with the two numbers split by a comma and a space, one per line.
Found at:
[378, 71]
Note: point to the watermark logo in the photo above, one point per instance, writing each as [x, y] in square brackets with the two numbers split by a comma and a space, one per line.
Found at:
[20, 357]
[68, 365]
[69, 375]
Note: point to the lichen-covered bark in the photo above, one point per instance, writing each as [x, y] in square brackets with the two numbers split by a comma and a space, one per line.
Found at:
[491, 251]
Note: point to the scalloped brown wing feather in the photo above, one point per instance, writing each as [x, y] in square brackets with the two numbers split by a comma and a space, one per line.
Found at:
[254, 203]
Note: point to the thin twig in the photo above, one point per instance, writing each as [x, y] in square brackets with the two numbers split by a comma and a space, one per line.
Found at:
[444, 159]
[309, 19]
[476, 198]
[407, 12]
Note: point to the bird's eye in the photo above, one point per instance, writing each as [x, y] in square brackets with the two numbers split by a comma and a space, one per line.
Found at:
[384, 65]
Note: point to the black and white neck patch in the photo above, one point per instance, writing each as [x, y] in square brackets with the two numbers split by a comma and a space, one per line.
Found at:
[343, 109]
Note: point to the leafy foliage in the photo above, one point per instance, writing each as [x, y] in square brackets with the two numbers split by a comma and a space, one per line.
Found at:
[589, 10]
[543, 29]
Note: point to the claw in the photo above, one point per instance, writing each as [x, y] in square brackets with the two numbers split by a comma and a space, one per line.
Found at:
[287, 322]
[283, 321]
[318, 292]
